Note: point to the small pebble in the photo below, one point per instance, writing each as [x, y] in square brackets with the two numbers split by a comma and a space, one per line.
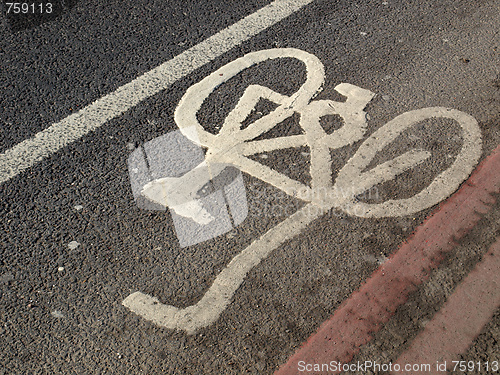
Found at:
[60, 269]
[263, 156]
[363, 33]
[57, 314]
[7, 277]
[78, 207]
[73, 245]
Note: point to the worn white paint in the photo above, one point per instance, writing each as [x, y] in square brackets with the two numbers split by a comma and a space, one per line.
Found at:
[51, 140]
[158, 191]
[73, 245]
[180, 193]
[232, 144]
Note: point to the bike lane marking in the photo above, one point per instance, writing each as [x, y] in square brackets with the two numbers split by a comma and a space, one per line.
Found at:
[31, 151]
[368, 309]
[325, 193]
[455, 327]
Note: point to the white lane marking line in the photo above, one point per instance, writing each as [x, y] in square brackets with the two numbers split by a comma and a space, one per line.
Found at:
[229, 146]
[93, 116]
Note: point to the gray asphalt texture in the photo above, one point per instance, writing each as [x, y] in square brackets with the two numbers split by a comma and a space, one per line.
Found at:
[414, 54]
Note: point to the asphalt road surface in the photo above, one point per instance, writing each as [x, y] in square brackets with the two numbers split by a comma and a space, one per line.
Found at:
[75, 244]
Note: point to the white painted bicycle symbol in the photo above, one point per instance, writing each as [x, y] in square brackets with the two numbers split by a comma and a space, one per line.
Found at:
[232, 145]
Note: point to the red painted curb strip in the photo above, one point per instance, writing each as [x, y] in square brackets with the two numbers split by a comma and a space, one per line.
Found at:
[368, 309]
[453, 329]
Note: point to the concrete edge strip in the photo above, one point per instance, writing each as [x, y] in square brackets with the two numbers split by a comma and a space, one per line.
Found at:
[455, 327]
[46, 142]
[371, 306]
